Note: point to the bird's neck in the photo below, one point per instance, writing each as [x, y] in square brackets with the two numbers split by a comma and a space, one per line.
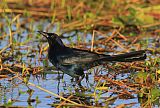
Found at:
[55, 49]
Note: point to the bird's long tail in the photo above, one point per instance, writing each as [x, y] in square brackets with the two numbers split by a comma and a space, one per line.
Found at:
[127, 57]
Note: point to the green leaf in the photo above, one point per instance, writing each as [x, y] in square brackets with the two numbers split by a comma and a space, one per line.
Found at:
[116, 21]
[144, 18]
[155, 93]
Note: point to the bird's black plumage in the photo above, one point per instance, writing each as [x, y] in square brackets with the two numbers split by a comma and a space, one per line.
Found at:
[74, 61]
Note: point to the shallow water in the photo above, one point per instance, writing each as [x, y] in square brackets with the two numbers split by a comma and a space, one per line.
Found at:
[10, 91]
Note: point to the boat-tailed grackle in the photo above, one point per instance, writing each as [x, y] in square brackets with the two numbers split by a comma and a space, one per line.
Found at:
[74, 61]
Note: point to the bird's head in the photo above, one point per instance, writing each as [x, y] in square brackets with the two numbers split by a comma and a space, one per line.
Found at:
[53, 39]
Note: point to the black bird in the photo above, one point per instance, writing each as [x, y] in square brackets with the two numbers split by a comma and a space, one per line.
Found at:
[74, 61]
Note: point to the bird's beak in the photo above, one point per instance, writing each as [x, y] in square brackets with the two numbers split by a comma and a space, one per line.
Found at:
[43, 33]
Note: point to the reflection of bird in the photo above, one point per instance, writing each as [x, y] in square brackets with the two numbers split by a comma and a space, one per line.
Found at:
[74, 61]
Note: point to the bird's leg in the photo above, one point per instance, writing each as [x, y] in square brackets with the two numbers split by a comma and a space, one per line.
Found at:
[58, 87]
[62, 75]
[78, 79]
[87, 79]
[58, 75]
[63, 81]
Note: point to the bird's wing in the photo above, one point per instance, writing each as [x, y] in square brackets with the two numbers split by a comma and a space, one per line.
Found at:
[77, 56]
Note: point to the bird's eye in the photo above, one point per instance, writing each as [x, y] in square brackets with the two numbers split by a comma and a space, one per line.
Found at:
[52, 37]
